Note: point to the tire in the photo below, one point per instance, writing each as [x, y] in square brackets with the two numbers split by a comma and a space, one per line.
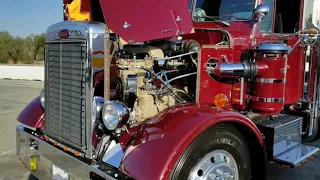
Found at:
[218, 140]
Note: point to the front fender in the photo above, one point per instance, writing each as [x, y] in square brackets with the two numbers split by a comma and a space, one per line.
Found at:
[32, 115]
[160, 142]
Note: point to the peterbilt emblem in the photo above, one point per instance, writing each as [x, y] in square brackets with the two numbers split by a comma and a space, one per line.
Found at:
[64, 34]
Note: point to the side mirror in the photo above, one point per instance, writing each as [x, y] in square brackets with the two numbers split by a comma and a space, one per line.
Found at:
[260, 12]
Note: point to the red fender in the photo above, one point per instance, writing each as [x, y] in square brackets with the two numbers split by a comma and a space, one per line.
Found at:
[162, 140]
[32, 114]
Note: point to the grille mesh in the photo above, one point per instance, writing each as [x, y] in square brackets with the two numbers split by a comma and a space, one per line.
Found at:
[65, 93]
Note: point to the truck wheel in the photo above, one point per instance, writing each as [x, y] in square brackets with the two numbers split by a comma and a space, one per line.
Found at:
[220, 152]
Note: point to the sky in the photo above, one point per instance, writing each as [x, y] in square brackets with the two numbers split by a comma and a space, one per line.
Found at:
[25, 17]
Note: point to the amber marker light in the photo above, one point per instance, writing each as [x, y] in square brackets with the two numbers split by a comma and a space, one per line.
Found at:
[33, 163]
[312, 31]
[76, 153]
[220, 100]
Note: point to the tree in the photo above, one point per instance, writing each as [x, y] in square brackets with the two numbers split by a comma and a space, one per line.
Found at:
[25, 50]
[5, 43]
[35, 44]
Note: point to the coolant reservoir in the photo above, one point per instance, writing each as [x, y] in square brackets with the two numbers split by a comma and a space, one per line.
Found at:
[267, 92]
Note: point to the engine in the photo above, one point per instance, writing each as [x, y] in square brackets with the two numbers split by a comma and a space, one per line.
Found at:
[156, 75]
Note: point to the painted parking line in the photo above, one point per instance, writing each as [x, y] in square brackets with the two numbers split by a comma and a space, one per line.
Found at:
[10, 94]
[22, 85]
[10, 111]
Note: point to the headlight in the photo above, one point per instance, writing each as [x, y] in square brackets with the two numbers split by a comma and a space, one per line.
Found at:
[114, 113]
[42, 98]
[97, 106]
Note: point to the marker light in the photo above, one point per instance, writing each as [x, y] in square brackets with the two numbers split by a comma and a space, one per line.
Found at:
[220, 100]
[33, 163]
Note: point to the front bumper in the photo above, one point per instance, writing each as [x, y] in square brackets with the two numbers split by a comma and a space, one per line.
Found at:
[51, 160]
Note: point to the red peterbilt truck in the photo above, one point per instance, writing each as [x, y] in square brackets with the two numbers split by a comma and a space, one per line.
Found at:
[174, 90]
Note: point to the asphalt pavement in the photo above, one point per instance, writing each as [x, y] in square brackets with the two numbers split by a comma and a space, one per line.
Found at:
[16, 94]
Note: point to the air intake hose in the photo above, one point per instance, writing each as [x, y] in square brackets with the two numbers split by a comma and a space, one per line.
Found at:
[241, 69]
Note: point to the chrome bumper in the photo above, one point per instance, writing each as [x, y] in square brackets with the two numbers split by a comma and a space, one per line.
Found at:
[49, 158]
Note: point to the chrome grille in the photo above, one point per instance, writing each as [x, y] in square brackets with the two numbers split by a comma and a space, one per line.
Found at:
[65, 93]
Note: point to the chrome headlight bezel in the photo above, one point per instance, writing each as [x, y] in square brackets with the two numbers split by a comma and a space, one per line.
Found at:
[97, 105]
[114, 114]
[42, 98]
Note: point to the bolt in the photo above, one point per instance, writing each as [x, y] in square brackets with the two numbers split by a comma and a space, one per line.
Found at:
[126, 25]
[179, 18]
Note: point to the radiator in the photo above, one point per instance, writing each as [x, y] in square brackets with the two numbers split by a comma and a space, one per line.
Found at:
[65, 93]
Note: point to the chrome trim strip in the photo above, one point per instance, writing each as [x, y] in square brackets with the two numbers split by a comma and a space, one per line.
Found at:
[241, 90]
[270, 100]
[270, 80]
[89, 99]
[198, 76]
[313, 127]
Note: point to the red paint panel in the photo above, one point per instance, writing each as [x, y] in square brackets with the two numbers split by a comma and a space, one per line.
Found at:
[85, 6]
[148, 19]
[205, 37]
[65, 2]
[295, 72]
[99, 78]
[162, 140]
[32, 114]
[210, 87]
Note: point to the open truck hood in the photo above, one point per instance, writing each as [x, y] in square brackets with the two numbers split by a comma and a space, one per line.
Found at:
[143, 20]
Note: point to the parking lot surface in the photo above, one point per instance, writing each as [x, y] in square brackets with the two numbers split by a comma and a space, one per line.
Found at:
[15, 95]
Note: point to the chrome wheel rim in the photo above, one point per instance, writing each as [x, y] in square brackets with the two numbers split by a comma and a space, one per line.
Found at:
[217, 165]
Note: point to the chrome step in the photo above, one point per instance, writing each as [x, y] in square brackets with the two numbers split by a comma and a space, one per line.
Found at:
[283, 140]
[296, 155]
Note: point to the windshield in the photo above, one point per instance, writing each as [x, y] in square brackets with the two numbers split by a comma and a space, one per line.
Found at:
[223, 10]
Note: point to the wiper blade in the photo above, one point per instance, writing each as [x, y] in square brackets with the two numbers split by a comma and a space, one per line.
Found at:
[216, 20]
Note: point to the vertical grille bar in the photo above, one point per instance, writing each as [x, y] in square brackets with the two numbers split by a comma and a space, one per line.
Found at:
[61, 59]
[65, 93]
